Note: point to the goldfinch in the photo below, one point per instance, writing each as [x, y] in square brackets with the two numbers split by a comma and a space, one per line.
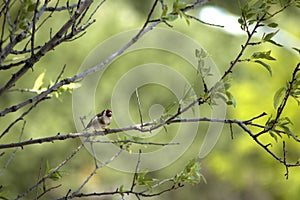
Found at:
[101, 120]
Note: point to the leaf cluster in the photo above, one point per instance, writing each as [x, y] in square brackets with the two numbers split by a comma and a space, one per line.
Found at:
[177, 10]
[257, 57]
[262, 10]
[54, 174]
[143, 179]
[281, 125]
[293, 89]
[190, 174]
[258, 13]
[39, 82]
[278, 127]
[26, 12]
[220, 89]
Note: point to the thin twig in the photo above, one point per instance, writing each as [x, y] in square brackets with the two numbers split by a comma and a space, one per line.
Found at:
[134, 142]
[39, 176]
[93, 152]
[136, 171]
[14, 152]
[48, 190]
[203, 22]
[95, 10]
[256, 117]
[21, 117]
[284, 160]
[139, 107]
[51, 173]
[243, 48]
[62, 8]
[94, 172]
[60, 74]
[33, 29]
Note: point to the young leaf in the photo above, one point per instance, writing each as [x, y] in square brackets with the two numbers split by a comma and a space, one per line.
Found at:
[142, 180]
[121, 190]
[263, 55]
[288, 120]
[165, 11]
[190, 174]
[273, 135]
[273, 25]
[39, 81]
[70, 87]
[277, 97]
[54, 175]
[231, 100]
[295, 137]
[183, 15]
[170, 17]
[269, 36]
[265, 65]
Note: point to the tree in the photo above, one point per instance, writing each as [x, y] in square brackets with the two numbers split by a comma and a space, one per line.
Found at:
[28, 38]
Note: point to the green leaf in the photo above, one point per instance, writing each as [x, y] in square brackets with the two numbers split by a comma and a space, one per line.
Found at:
[263, 55]
[273, 135]
[4, 193]
[231, 99]
[183, 15]
[190, 174]
[278, 96]
[165, 11]
[121, 190]
[265, 65]
[179, 4]
[227, 83]
[31, 7]
[170, 17]
[288, 120]
[54, 175]
[70, 87]
[273, 25]
[39, 81]
[295, 137]
[241, 21]
[142, 180]
[270, 35]
[297, 100]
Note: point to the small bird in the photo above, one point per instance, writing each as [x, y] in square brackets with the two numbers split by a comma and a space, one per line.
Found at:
[101, 120]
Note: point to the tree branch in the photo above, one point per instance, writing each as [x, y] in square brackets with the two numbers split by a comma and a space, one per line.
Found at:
[54, 41]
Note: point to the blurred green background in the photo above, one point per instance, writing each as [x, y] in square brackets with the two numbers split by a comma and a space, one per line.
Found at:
[235, 169]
